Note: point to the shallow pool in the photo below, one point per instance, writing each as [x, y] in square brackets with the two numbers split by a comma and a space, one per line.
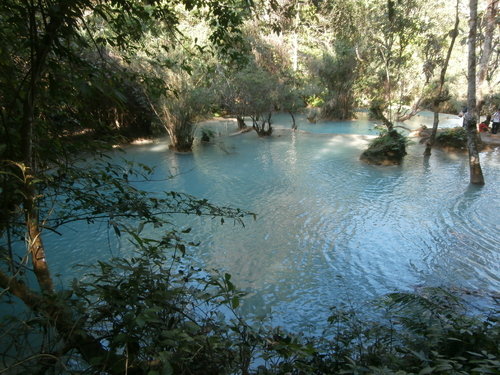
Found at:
[330, 228]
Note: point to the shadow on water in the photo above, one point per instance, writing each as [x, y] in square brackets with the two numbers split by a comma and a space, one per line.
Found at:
[330, 228]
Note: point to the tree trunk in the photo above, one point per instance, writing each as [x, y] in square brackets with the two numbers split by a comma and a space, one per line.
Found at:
[439, 92]
[294, 124]
[476, 173]
[181, 138]
[39, 52]
[46, 302]
[259, 125]
[379, 113]
[415, 109]
[490, 21]
[241, 123]
[180, 130]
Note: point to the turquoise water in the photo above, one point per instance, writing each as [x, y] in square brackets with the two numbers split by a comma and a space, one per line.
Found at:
[330, 228]
[362, 125]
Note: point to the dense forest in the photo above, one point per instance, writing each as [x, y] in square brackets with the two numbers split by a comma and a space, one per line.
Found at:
[79, 77]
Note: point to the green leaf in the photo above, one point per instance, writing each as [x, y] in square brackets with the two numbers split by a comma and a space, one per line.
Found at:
[141, 322]
[235, 302]
[166, 368]
[140, 227]
[95, 361]
[10, 174]
[191, 326]
[121, 337]
[182, 248]
[426, 370]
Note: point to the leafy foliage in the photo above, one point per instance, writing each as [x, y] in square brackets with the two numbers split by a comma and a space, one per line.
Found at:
[252, 92]
[67, 89]
[161, 313]
[430, 331]
[180, 114]
[111, 310]
[455, 138]
[339, 72]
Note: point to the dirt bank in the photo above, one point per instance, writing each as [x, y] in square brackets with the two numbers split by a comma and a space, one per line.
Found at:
[492, 140]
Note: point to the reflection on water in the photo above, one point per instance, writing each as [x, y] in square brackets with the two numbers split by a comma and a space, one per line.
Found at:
[330, 228]
[362, 125]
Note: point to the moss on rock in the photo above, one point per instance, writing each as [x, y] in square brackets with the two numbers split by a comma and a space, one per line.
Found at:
[387, 149]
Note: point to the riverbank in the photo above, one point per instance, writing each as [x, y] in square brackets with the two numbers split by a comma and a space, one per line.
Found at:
[489, 140]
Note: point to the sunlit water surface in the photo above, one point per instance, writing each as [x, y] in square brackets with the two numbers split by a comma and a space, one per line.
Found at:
[330, 228]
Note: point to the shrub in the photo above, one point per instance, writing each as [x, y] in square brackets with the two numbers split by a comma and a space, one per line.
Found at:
[429, 331]
[388, 148]
[455, 138]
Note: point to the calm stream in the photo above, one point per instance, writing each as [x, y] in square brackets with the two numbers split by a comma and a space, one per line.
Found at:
[330, 228]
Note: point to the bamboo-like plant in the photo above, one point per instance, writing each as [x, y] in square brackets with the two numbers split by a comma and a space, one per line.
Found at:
[181, 111]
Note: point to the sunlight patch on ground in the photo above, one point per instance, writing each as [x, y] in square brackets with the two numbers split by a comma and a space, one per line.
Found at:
[160, 147]
[338, 142]
[157, 145]
[142, 141]
[358, 141]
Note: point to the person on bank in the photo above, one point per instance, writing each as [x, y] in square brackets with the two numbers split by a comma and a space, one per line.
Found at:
[484, 126]
[496, 122]
[462, 115]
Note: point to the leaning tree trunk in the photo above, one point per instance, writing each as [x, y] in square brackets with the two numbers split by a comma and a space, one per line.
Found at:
[39, 52]
[379, 114]
[476, 173]
[440, 98]
[46, 302]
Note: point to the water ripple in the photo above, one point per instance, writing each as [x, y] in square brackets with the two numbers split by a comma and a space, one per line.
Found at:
[331, 228]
